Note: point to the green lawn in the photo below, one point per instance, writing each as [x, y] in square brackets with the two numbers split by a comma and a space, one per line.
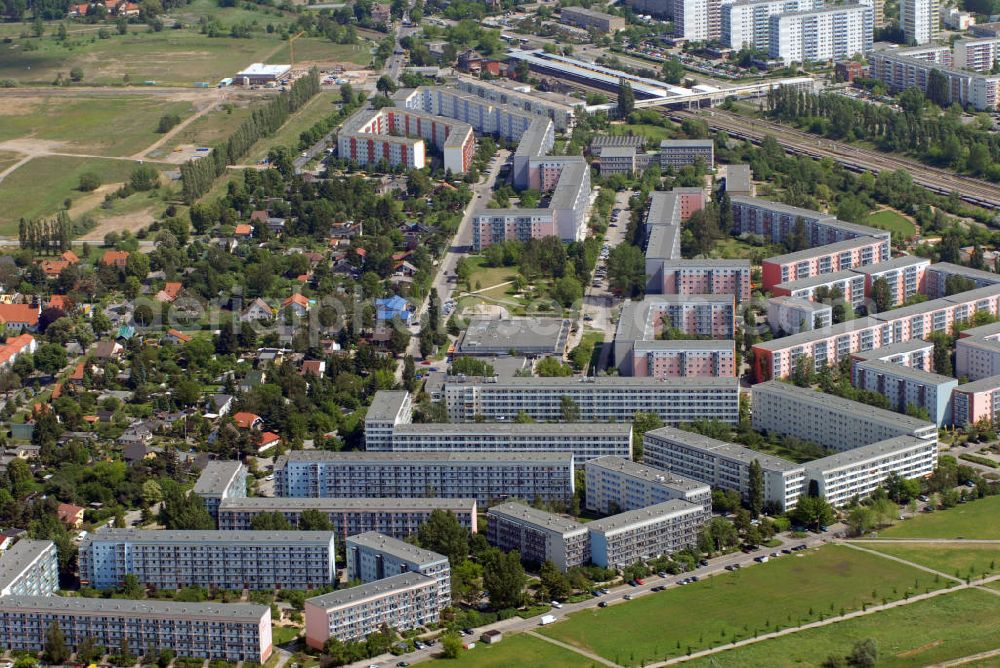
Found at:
[519, 651]
[970, 559]
[283, 634]
[731, 248]
[323, 51]
[789, 591]
[315, 110]
[111, 125]
[39, 187]
[892, 221]
[489, 276]
[652, 133]
[976, 519]
[210, 129]
[947, 627]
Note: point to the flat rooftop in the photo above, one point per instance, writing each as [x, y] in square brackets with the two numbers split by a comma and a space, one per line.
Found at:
[640, 516]
[866, 452]
[627, 384]
[16, 559]
[404, 551]
[281, 503]
[386, 405]
[817, 281]
[827, 249]
[731, 451]
[786, 342]
[525, 335]
[903, 348]
[547, 429]
[982, 385]
[539, 518]
[799, 303]
[686, 143]
[113, 607]
[428, 458]
[647, 473]
[899, 262]
[262, 70]
[781, 207]
[738, 178]
[216, 478]
[900, 371]
[618, 152]
[689, 345]
[369, 590]
[202, 537]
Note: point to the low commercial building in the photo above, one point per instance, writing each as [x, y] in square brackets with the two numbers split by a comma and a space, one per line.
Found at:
[538, 535]
[639, 535]
[976, 401]
[259, 74]
[858, 472]
[831, 421]
[582, 17]
[597, 398]
[403, 602]
[586, 440]
[29, 568]
[398, 518]
[388, 409]
[615, 484]
[977, 352]
[723, 465]
[677, 153]
[486, 477]
[521, 336]
[373, 556]
[738, 181]
[905, 388]
[221, 480]
[821, 260]
[704, 277]
[792, 315]
[211, 559]
[397, 136]
[226, 631]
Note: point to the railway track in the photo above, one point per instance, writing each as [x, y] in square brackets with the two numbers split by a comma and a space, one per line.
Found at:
[971, 190]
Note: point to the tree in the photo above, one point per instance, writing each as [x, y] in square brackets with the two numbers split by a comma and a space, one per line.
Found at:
[567, 290]
[503, 578]
[641, 423]
[813, 512]
[673, 71]
[881, 295]
[50, 358]
[626, 98]
[861, 520]
[183, 511]
[385, 85]
[451, 644]
[554, 582]
[569, 409]
[551, 367]
[270, 522]
[627, 270]
[756, 489]
[132, 588]
[443, 534]
[76, 74]
[937, 88]
[89, 182]
[865, 652]
[143, 178]
[313, 520]
[56, 651]
[88, 651]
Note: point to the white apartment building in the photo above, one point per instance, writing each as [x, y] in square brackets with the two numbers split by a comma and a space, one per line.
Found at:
[398, 518]
[792, 315]
[373, 556]
[615, 485]
[977, 54]
[920, 20]
[905, 387]
[528, 101]
[403, 602]
[748, 22]
[646, 533]
[723, 465]
[212, 559]
[697, 20]
[388, 409]
[830, 33]
[29, 568]
[221, 480]
[538, 535]
[831, 421]
[586, 440]
[597, 398]
[486, 477]
[858, 472]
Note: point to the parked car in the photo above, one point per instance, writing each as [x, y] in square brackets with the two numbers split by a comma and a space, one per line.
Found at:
[557, 605]
[602, 604]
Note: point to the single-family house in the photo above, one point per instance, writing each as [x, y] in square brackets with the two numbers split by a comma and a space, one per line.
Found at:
[19, 317]
[258, 309]
[170, 291]
[243, 230]
[247, 420]
[298, 303]
[114, 258]
[23, 344]
[267, 441]
[390, 308]
[176, 337]
[70, 515]
[314, 368]
[107, 350]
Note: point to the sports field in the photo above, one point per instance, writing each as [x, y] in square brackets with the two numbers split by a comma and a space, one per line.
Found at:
[789, 591]
[520, 651]
[946, 627]
[887, 219]
[958, 559]
[976, 519]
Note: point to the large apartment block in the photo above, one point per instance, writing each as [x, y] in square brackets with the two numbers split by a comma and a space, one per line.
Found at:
[706, 315]
[29, 568]
[941, 276]
[597, 398]
[588, 18]
[747, 23]
[677, 153]
[403, 602]
[682, 358]
[398, 136]
[373, 556]
[486, 477]
[820, 260]
[815, 35]
[904, 274]
[585, 440]
[230, 632]
[211, 559]
[792, 315]
[221, 480]
[856, 473]
[975, 401]
[398, 518]
[977, 352]
[779, 223]
[900, 69]
[562, 115]
[830, 345]
[849, 283]
[695, 21]
[723, 465]
[915, 354]
[701, 277]
[977, 54]
[905, 387]
[615, 485]
[920, 20]
[830, 421]
[389, 408]
[646, 533]
[538, 535]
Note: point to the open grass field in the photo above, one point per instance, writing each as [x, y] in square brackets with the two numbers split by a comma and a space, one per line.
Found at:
[731, 248]
[960, 560]
[282, 634]
[922, 634]
[171, 57]
[39, 187]
[109, 125]
[318, 49]
[977, 519]
[652, 133]
[888, 219]
[789, 591]
[520, 651]
[210, 129]
[8, 158]
[315, 110]
[485, 277]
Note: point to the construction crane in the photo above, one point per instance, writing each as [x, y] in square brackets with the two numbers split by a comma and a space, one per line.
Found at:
[291, 47]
